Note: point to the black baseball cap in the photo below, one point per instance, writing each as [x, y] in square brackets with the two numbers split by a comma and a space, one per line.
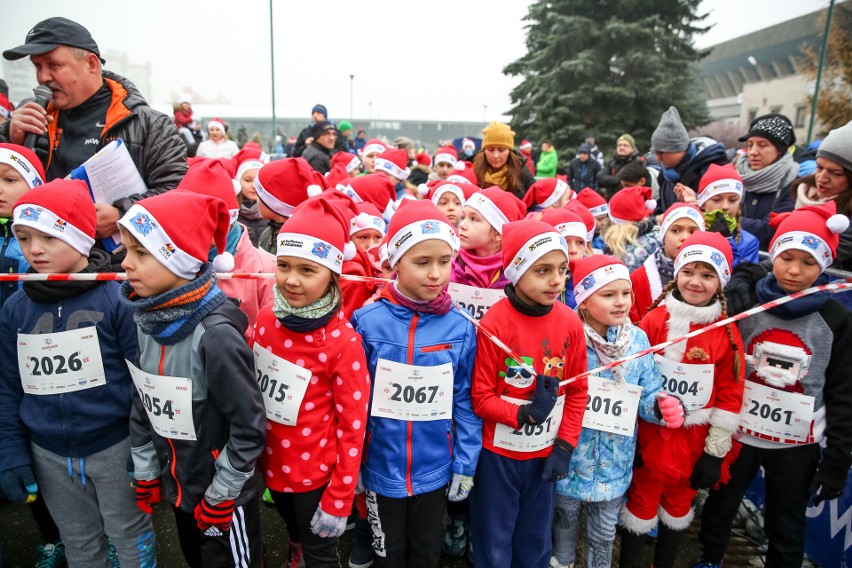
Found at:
[49, 34]
[321, 128]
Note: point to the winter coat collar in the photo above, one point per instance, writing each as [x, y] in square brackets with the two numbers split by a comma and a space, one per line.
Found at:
[681, 317]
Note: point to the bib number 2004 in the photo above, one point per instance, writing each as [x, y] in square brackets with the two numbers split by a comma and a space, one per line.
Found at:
[56, 364]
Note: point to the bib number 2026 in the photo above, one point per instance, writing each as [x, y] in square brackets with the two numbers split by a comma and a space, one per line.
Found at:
[56, 364]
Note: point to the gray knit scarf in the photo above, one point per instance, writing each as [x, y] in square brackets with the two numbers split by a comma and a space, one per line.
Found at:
[769, 179]
[608, 352]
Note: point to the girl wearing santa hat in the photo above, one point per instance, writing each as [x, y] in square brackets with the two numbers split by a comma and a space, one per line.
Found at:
[602, 465]
[795, 421]
[315, 423]
[678, 222]
[449, 197]
[547, 193]
[632, 237]
[443, 163]
[422, 434]
[707, 374]
[599, 208]
[249, 160]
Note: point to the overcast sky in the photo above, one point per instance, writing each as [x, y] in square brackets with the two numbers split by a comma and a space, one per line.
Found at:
[415, 60]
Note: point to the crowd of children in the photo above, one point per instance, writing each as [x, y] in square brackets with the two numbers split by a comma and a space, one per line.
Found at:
[421, 357]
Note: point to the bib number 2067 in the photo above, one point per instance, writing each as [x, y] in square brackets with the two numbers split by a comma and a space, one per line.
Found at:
[56, 364]
[410, 394]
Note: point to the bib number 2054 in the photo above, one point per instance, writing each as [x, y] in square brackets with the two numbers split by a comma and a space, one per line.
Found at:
[157, 407]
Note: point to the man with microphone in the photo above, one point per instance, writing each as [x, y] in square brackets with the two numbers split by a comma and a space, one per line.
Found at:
[89, 108]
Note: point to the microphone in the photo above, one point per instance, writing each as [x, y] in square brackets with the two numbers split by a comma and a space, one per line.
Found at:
[43, 96]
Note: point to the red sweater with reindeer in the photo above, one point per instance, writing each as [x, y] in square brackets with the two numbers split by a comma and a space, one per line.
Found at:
[553, 344]
[676, 451]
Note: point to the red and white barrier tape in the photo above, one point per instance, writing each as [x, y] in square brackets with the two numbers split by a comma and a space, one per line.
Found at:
[95, 276]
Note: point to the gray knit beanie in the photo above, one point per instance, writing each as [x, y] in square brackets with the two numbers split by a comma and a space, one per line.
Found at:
[670, 135]
[837, 146]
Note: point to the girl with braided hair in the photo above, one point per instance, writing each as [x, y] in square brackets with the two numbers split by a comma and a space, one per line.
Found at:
[706, 373]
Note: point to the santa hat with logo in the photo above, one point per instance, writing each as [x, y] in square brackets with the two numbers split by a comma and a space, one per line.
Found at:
[283, 184]
[709, 248]
[373, 146]
[177, 228]
[593, 201]
[581, 211]
[566, 222]
[317, 231]
[413, 223]
[61, 208]
[463, 173]
[446, 154]
[546, 193]
[718, 180]
[678, 211]
[631, 205]
[594, 272]
[394, 161]
[463, 191]
[526, 241]
[497, 206]
[24, 161]
[251, 157]
[813, 229]
[372, 188]
[348, 161]
[368, 217]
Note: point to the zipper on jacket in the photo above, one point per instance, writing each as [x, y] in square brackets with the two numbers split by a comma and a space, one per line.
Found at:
[366, 448]
[174, 475]
[408, 449]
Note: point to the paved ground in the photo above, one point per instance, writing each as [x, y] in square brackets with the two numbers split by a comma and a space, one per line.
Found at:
[19, 538]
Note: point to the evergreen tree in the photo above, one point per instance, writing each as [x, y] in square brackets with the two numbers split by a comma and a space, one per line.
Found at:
[605, 67]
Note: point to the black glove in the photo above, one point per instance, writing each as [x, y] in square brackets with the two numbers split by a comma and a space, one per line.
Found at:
[558, 463]
[19, 484]
[544, 399]
[827, 487]
[706, 473]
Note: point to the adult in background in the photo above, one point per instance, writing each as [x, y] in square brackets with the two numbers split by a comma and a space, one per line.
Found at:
[217, 145]
[625, 152]
[344, 136]
[768, 170]
[526, 151]
[90, 107]
[498, 163]
[547, 161]
[583, 171]
[684, 161]
[6, 108]
[360, 140]
[318, 152]
[318, 114]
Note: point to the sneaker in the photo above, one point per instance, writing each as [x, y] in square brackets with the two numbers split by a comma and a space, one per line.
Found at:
[705, 564]
[113, 557]
[52, 556]
[455, 538]
[294, 556]
[362, 549]
[267, 497]
[554, 563]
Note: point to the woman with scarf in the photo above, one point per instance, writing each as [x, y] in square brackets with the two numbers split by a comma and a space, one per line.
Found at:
[498, 163]
[768, 170]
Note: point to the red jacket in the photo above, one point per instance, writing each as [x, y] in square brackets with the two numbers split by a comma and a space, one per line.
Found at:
[647, 286]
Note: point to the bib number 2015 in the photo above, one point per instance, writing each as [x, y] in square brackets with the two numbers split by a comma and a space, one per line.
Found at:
[268, 387]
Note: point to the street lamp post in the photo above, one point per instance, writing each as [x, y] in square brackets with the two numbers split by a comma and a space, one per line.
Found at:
[815, 100]
[351, 94]
[272, 63]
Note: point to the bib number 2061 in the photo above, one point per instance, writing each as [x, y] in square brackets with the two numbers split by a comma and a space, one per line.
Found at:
[767, 411]
[56, 364]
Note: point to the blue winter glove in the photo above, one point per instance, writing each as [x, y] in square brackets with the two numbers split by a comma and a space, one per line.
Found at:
[327, 526]
[460, 487]
[544, 399]
[19, 484]
[558, 463]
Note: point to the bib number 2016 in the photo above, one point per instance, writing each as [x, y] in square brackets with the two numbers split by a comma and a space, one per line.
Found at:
[268, 387]
[409, 394]
[56, 364]
[604, 405]
[775, 414]
[156, 406]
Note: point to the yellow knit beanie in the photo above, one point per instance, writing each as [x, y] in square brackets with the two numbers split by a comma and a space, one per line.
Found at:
[498, 135]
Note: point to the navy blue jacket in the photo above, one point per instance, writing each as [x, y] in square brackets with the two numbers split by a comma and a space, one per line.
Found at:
[11, 260]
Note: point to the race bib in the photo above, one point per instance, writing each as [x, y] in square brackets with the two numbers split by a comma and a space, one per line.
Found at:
[409, 392]
[610, 408]
[57, 363]
[167, 401]
[283, 385]
[530, 437]
[475, 301]
[776, 415]
[692, 384]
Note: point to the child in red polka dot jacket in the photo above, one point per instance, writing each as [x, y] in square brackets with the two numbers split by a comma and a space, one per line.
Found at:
[311, 368]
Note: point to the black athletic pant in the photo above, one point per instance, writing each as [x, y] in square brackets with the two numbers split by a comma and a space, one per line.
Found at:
[297, 510]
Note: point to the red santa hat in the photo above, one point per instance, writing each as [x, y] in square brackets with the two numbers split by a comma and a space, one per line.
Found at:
[526, 241]
[373, 146]
[250, 157]
[567, 223]
[434, 191]
[679, 211]
[709, 248]
[372, 188]
[468, 143]
[24, 161]
[446, 154]
[337, 177]
[347, 160]
[463, 173]
[216, 122]
[317, 231]
[592, 273]
[813, 229]
[368, 217]
[423, 159]
[177, 228]
[525, 145]
[283, 184]
[546, 193]
[394, 161]
[631, 205]
[718, 180]
[593, 201]
[413, 223]
[61, 208]
[581, 211]
[498, 206]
